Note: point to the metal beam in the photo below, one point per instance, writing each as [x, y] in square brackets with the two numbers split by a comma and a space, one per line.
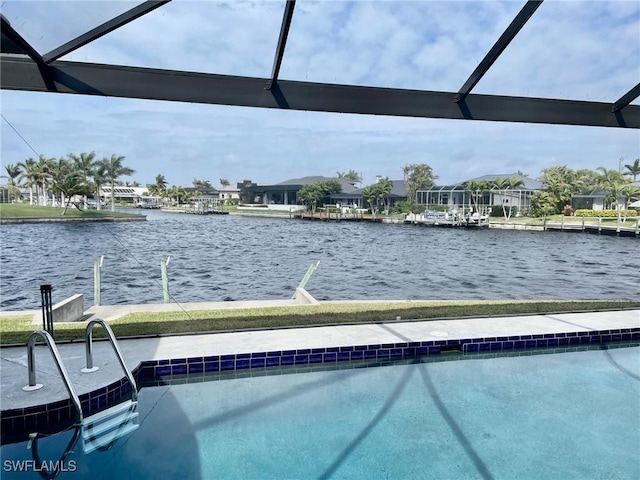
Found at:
[626, 99]
[282, 42]
[155, 84]
[109, 26]
[505, 39]
[16, 43]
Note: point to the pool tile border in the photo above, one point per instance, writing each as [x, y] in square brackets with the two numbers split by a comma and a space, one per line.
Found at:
[17, 423]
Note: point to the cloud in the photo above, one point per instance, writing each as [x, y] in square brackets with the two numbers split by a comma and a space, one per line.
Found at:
[586, 50]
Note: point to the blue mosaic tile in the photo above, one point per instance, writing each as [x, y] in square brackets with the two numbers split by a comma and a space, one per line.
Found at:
[301, 359]
[490, 339]
[507, 345]
[502, 339]
[303, 351]
[178, 361]
[383, 353]
[212, 366]
[212, 358]
[396, 353]
[164, 362]
[440, 343]
[537, 336]
[519, 344]
[453, 342]
[409, 352]
[414, 344]
[258, 362]
[243, 355]
[635, 335]
[273, 361]
[227, 364]
[514, 337]
[359, 355]
[286, 360]
[560, 335]
[553, 342]
[315, 358]
[471, 347]
[582, 334]
[563, 341]
[330, 357]
[542, 343]
[549, 335]
[572, 334]
[604, 338]
[401, 345]
[484, 346]
[531, 343]
[276, 353]
[318, 350]
[333, 349]
[178, 369]
[342, 356]
[348, 349]
[387, 345]
[574, 340]
[585, 340]
[163, 371]
[428, 343]
[195, 360]
[370, 354]
[421, 350]
[373, 347]
[626, 336]
[433, 350]
[526, 337]
[243, 363]
[228, 357]
[196, 367]
[496, 345]
[259, 355]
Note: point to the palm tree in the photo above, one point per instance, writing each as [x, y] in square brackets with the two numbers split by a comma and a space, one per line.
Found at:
[384, 187]
[84, 163]
[43, 172]
[68, 181]
[161, 183]
[370, 194]
[114, 169]
[29, 175]
[99, 175]
[13, 173]
[633, 169]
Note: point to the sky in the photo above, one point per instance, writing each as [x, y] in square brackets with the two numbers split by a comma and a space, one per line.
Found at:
[568, 49]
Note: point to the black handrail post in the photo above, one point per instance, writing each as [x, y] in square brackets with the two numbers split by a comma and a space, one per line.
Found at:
[47, 308]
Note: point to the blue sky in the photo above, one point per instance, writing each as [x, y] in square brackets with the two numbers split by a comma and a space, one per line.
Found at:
[569, 49]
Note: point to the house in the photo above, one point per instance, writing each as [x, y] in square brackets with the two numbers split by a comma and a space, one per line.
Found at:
[284, 193]
[228, 193]
[457, 196]
[355, 199]
[593, 200]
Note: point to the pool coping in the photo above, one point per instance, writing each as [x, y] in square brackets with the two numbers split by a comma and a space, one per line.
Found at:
[17, 423]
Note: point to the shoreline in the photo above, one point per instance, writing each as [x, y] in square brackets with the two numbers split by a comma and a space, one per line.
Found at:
[21, 220]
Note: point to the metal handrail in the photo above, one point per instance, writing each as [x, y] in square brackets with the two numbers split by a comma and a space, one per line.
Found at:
[56, 357]
[114, 343]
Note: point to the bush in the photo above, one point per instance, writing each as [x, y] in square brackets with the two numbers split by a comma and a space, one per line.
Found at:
[496, 211]
[604, 213]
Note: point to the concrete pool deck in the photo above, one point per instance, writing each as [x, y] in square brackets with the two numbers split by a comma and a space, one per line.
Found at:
[14, 373]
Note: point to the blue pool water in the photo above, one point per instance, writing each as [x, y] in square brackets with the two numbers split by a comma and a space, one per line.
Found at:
[573, 415]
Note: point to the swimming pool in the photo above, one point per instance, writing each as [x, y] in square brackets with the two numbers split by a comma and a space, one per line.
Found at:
[561, 415]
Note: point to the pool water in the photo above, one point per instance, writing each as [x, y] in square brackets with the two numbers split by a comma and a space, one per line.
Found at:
[573, 415]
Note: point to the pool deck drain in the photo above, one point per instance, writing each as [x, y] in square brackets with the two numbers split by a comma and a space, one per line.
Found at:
[14, 375]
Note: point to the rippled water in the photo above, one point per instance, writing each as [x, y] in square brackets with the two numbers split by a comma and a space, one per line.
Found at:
[216, 258]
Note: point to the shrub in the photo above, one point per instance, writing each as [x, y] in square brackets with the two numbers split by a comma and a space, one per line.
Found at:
[603, 213]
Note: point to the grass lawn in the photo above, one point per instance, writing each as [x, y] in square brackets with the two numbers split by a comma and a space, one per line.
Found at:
[16, 210]
[16, 329]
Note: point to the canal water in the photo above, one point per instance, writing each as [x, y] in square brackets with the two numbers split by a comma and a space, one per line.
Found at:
[228, 257]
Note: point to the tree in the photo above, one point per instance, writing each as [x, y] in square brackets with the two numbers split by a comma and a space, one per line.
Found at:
[161, 183]
[503, 185]
[633, 170]
[476, 190]
[114, 168]
[417, 177]
[68, 181]
[99, 175]
[13, 173]
[370, 194]
[29, 175]
[352, 176]
[201, 183]
[224, 182]
[384, 187]
[85, 162]
[312, 193]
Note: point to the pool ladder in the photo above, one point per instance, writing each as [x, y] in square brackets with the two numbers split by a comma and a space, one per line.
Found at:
[89, 368]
